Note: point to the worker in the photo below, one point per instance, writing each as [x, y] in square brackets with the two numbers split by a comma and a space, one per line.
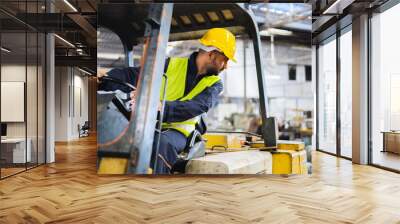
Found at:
[193, 87]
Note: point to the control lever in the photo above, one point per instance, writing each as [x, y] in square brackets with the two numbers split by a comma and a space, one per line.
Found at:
[121, 99]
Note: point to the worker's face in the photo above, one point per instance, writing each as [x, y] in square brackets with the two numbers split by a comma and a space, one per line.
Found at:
[217, 62]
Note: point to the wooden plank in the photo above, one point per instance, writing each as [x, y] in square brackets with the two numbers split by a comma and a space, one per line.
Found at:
[243, 162]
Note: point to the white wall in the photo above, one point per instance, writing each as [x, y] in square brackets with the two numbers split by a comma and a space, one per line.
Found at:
[71, 94]
[14, 73]
[80, 110]
[61, 105]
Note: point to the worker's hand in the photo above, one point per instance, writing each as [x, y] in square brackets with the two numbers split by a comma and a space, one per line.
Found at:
[133, 95]
[159, 106]
[101, 72]
[133, 100]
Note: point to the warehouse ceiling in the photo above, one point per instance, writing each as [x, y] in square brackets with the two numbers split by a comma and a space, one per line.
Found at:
[189, 23]
[290, 22]
[75, 23]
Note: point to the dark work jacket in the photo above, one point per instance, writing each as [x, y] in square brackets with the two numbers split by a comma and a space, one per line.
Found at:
[175, 111]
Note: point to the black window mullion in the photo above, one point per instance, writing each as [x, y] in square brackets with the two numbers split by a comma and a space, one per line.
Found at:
[338, 77]
[37, 90]
[317, 97]
[45, 92]
[369, 100]
[26, 86]
[1, 165]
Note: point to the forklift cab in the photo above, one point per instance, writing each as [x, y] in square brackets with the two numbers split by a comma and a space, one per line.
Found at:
[129, 148]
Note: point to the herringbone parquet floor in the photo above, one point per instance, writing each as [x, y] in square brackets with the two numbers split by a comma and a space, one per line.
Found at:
[69, 191]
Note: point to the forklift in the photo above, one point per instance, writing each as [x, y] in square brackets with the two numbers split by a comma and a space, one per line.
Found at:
[125, 137]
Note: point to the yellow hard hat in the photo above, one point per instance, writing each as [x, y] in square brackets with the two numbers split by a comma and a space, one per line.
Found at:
[222, 39]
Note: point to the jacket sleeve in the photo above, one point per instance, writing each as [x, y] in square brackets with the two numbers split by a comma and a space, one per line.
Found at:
[176, 111]
[128, 74]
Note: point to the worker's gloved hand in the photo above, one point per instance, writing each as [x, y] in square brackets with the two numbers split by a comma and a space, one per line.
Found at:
[101, 72]
[133, 100]
[159, 106]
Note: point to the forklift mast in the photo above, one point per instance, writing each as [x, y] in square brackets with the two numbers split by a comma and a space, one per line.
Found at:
[155, 25]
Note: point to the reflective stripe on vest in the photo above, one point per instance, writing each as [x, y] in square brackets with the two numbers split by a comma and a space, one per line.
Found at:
[176, 73]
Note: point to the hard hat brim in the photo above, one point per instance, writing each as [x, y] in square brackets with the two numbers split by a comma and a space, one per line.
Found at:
[205, 43]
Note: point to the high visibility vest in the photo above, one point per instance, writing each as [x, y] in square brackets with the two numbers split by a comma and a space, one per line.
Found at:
[176, 82]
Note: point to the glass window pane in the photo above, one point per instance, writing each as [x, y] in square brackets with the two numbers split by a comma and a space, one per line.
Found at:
[327, 97]
[238, 107]
[31, 97]
[22, 88]
[346, 94]
[385, 89]
[14, 153]
[41, 98]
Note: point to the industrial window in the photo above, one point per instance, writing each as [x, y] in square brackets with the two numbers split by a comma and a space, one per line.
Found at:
[22, 85]
[327, 96]
[292, 72]
[346, 94]
[385, 89]
[308, 73]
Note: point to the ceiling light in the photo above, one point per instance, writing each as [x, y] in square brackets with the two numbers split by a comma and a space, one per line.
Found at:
[70, 5]
[275, 31]
[64, 40]
[338, 6]
[227, 14]
[301, 48]
[199, 18]
[213, 16]
[334, 5]
[185, 20]
[84, 71]
[5, 50]
[110, 56]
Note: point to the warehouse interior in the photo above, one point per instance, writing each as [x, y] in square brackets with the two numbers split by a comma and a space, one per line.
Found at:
[331, 82]
[239, 105]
